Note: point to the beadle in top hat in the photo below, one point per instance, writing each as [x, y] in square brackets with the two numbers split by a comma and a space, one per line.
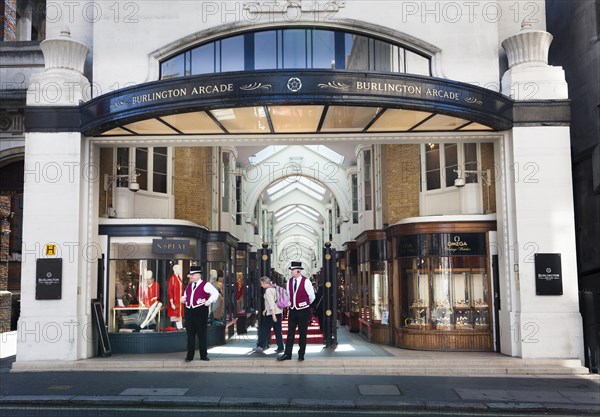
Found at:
[296, 265]
[195, 269]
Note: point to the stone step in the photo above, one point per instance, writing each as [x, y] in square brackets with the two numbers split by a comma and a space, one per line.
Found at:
[327, 366]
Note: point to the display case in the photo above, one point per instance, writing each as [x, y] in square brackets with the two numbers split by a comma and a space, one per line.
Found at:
[418, 315]
[442, 290]
[352, 295]
[373, 286]
[220, 255]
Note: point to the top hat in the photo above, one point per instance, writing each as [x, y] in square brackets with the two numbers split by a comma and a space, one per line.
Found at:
[296, 265]
[195, 269]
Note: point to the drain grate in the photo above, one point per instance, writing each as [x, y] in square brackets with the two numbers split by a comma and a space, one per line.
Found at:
[379, 390]
[155, 391]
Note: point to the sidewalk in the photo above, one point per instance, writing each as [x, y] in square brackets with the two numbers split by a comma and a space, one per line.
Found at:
[358, 376]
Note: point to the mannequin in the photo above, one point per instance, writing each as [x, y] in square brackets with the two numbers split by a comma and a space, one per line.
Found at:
[175, 290]
[217, 306]
[148, 293]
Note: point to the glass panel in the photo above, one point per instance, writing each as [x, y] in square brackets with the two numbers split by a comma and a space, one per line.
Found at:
[159, 178]
[470, 150]
[398, 120]
[294, 48]
[265, 50]
[203, 59]
[141, 166]
[383, 56]
[190, 123]
[442, 313]
[451, 157]
[293, 119]
[417, 285]
[417, 64]
[379, 294]
[442, 122]
[243, 119]
[174, 67]
[122, 166]
[348, 118]
[357, 52]
[232, 54]
[150, 127]
[367, 179]
[323, 49]
[432, 166]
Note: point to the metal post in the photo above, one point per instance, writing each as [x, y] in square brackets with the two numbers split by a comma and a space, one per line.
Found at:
[329, 296]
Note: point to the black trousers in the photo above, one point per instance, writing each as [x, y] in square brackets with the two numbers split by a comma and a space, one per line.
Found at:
[301, 319]
[196, 323]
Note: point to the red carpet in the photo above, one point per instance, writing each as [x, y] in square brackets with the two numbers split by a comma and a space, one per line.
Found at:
[313, 336]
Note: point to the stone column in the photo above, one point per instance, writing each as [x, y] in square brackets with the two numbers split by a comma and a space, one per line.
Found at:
[536, 214]
[55, 211]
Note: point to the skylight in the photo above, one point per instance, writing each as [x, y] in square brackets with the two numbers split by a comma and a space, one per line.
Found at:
[302, 225]
[303, 184]
[264, 154]
[328, 153]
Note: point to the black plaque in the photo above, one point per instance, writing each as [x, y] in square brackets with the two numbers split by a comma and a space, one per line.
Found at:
[98, 317]
[548, 274]
[48, 279]
[170, 247]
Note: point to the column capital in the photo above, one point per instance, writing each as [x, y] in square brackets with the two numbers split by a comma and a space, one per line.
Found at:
[62, 83]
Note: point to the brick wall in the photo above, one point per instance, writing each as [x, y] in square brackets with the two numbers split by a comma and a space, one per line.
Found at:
[400, 182]
[8, 20]
[192, 185]
[5, 296]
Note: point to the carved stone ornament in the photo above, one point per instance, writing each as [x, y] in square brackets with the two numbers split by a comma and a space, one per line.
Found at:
[527, 46]
[281, 6]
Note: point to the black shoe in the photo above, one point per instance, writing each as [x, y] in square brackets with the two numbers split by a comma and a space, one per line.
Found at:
[284, 358]
[301, 359]
[189, 359]
[280, 351]
[204, 359]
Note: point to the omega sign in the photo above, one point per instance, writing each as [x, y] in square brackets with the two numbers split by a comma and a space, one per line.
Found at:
[170, 247]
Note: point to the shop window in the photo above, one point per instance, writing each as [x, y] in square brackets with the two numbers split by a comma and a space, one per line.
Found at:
[238, 200]
[445, 293]
[354, 198]
[367, 183]
[160, 170]
[141, 167]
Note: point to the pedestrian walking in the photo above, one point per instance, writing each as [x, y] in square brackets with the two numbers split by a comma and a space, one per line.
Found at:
[272, 317]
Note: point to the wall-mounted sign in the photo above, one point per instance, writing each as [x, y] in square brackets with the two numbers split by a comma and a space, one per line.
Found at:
[48, 279]
[548, 274]
[442, 244]
[170, 247]
[50, 249]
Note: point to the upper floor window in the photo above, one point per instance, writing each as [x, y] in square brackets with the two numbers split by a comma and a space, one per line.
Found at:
[151, 166]
[296, 48]
[441, 164]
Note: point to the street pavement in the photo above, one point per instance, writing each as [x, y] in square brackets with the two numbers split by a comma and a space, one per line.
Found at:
[384, 384]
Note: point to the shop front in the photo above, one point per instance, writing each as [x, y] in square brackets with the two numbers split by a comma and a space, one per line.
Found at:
[442, 287]
[146, 274]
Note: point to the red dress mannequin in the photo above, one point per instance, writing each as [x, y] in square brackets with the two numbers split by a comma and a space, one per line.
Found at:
[175, 288]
